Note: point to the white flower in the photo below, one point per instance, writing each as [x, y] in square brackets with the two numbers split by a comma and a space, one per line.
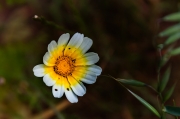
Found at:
[67, 65]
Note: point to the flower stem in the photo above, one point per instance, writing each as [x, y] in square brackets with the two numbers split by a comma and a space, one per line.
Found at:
[50, 23]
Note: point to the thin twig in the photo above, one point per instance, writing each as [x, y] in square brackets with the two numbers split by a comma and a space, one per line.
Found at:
[50, 23]
[50, 112]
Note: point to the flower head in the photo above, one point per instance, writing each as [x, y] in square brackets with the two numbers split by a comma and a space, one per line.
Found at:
[67, 65]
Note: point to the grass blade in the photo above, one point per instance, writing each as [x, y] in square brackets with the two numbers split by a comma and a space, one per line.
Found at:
[169, 93]
[131, 82]
[163, 82]
[151, 108]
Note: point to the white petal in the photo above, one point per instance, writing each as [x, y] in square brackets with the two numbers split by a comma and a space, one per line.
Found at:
[76, 86]
[86, 44]
[96, 69]
[89, 79]
[48, 59]
[73, 44]
[63, 39]
[83, 48]
[71, 96]
[88, 59]
[68, 91]
[51, 47]
[39, 70]
[78, 90]
[58, 90]
[91, 69]
[62, 42]
[82, 85]
[48, 80]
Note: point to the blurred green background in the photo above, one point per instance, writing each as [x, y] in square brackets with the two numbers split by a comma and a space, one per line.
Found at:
[124, 33]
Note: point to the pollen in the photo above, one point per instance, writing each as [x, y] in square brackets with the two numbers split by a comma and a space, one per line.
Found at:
[64, 66]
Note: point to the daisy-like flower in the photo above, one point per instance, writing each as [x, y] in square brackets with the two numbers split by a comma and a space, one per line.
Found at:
[67, 65]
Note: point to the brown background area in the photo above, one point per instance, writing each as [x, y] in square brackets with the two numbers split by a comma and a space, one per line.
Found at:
[124, 33]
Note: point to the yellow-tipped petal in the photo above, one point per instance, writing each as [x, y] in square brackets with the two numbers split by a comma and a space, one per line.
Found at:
[68, 92]
[73, 44]
[49, 59]
[87, 59]
[76, 86]
[83, 48]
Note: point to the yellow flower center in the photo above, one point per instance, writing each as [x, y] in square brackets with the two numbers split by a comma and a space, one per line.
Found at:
[64, 66]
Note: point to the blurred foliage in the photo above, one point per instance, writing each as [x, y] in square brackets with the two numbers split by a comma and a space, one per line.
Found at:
[14, 2]
[124, 35]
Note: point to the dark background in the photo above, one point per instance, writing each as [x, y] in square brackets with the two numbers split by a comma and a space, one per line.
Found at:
[125, 35]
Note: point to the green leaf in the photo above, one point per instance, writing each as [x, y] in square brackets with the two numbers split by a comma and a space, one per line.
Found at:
[164, 80]
[172, 17]
[175, 52]
[169, 93]
[151, 108]
[170, 30]
[172, 110]
[172, 38]
[131, 82]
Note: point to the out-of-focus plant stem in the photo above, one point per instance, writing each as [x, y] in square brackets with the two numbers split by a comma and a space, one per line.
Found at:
[50, 23]
[48, 113]
[149, 86]
[159, 93]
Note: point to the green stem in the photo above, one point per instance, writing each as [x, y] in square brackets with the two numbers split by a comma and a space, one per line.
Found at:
[162, 106]
[158, 79]
[50, 23]
[149, 86]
